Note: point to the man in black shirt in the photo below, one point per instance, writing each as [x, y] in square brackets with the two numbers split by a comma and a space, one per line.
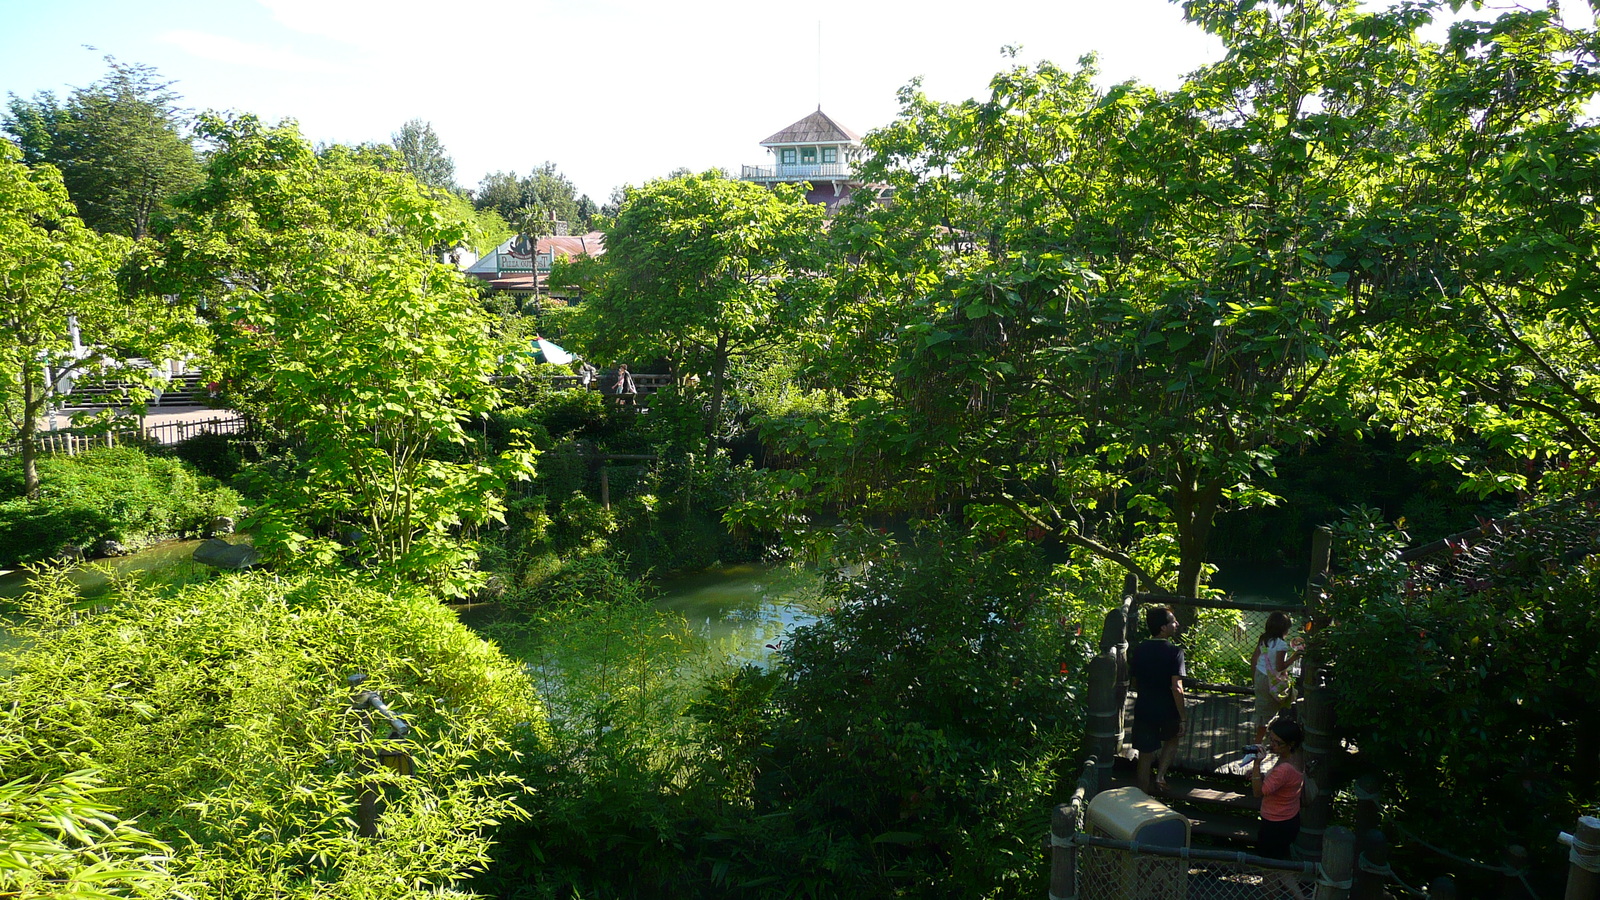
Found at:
[1158, 712]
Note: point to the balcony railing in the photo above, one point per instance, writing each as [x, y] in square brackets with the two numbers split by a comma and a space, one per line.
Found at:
[804, 172]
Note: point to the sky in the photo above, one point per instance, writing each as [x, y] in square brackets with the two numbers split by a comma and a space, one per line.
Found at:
[612, 91]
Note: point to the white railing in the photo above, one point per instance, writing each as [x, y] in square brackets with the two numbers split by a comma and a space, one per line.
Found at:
[802, 172]
[72, 441]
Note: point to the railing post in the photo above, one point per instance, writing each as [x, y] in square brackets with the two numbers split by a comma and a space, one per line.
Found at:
[1338, 863]
[1373, 861]
[1316, 720]
[1104, 735]
[1516, 861]
[1583, 863]
[1063, 856]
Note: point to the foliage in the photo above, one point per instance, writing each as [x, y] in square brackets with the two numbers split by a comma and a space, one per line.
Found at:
[1500, 660]
[365, 353]
[704, 270]
[61, 839]
[425, 156]
[623, 787]
[1337, 473]
[53, 272]
[1104, 313]
[531, 203]
[918, 723]
[119, 493]
[486, 230]
[119, 143]
[221, 713]
[215, 455]
[1497, 342]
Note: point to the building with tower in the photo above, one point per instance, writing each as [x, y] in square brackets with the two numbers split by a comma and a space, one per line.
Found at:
[816, 152]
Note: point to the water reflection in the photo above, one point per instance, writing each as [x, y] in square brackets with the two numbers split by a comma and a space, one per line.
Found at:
[171, 561]
[744, 610]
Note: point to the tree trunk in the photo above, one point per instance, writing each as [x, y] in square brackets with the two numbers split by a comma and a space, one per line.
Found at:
[1195, 511]
[34, 395]
[719, 369]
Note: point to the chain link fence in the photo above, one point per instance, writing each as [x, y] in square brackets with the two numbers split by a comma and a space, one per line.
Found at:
[1110, 870]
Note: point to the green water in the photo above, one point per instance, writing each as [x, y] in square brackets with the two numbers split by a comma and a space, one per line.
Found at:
[745, 610]
[171, 561]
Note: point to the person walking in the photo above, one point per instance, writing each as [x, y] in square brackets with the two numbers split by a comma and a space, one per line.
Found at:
[587, 373]
[625, 389]
[1157, 669]
[1280, 799]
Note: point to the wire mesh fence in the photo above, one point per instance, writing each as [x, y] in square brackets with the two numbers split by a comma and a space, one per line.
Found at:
[1114, 870]
[1511, 547]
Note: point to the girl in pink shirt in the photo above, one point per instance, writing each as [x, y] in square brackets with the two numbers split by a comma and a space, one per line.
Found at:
[1280, 797]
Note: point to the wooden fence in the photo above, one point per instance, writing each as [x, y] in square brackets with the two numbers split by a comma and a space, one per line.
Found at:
[72, 441]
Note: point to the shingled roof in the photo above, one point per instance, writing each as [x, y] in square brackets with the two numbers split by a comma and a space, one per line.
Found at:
[816, 128]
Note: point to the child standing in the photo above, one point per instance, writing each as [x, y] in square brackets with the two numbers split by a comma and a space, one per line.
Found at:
[1280, 798]
[1271, 664]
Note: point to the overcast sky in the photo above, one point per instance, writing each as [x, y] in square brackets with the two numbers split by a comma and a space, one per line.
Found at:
[612, 91]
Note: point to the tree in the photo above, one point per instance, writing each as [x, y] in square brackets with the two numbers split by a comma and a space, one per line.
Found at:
[365, 352]
[705, 270]
[425, 155]
[119, 143]
[1098, 315]
[1499, 340]
[534, 201]
[56, 273]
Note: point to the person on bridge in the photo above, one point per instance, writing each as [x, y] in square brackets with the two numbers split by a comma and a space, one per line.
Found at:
[625, 389]
[1280, 798]
[587, 373]
[1158, 670]
[1271, 662]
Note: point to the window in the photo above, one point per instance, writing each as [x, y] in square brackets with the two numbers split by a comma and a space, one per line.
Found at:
[786, 156]
[830, 154]
[808, 156]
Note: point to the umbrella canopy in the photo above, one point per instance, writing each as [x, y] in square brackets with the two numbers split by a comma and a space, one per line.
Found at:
[548, 351]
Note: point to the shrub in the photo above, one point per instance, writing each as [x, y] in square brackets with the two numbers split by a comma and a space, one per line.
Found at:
[211, 454]
[1498, 655]
[118, 493]
[221, 712]
[918, 728]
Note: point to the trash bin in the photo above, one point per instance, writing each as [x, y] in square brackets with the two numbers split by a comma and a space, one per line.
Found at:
[1129, 814]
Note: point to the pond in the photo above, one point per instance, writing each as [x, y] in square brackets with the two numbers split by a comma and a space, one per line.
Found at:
[171, 561]
[745, 610]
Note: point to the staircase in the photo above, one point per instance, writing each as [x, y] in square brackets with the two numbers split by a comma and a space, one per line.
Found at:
[1220, 809]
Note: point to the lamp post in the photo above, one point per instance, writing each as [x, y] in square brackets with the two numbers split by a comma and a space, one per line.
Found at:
[365, 704]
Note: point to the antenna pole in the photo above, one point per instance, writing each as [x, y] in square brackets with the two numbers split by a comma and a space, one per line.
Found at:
[819, 65]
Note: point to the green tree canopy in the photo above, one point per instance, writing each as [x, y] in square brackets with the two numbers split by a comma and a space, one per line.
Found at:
[532, 202]
[425, 155]
[338, 325]
[1494, 230]
[120, 144]
[1099, 314]
[705, 270]
[56, 273]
